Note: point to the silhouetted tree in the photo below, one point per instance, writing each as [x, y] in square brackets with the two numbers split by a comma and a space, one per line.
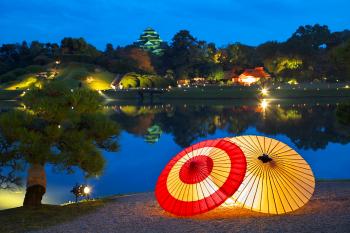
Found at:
[60, 127]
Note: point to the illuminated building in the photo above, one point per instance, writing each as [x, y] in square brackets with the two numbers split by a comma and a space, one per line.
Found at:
[150, 41]
[251, 76]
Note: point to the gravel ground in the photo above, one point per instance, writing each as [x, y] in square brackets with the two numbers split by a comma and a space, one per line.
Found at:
[328, 211]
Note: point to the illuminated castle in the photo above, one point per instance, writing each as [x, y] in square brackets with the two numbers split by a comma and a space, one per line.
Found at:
[150, 40]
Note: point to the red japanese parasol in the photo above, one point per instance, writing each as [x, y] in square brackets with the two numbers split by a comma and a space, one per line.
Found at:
[201, 177]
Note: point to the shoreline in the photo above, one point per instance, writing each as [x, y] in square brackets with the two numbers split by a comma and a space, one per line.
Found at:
[327, 211]
[208, 93]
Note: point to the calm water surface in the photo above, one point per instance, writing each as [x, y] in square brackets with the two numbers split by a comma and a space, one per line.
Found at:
[152, 135]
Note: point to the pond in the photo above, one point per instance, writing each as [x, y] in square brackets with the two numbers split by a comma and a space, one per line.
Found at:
[152, 134]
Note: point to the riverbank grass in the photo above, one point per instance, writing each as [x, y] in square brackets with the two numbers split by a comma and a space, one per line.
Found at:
[21, 219]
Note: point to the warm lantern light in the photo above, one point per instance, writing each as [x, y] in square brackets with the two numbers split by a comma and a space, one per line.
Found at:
[278, 180]
[87, 190]
[201, 177]
[264, 104]
[249, 80]
[264, 91]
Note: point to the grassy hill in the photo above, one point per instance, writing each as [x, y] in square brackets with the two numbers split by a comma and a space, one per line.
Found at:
[73, 74]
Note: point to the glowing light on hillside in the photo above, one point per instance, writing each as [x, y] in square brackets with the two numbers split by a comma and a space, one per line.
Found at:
[264, 91]
[293, 82]
[87, 190]
[11, 199]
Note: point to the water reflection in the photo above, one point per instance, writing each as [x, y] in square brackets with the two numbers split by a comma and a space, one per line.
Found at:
[308, 126]
[153, 134]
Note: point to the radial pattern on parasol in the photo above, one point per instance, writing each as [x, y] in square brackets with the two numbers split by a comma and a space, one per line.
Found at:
[201, 177]
[278, 180]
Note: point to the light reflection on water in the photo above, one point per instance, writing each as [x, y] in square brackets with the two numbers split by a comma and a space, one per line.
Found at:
[152, 135]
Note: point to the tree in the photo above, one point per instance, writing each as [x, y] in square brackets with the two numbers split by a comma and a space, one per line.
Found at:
[188, 57]
[343, 114]
[9, 166]
[217, 75]
[268, 50]
[142, 58]
[338, 38]
[109, 49]
[60, 127]
[340, 57]
[308, 39]
[77, 49]
[238, 56]
[284, 67]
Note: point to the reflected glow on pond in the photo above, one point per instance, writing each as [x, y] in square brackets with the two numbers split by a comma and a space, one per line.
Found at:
[152, 135]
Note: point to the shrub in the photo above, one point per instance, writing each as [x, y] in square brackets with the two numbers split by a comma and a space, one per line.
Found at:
[19, 71]
[130, 80]
[145, 81]
[7, 77]
[343, 114]
[35, 69]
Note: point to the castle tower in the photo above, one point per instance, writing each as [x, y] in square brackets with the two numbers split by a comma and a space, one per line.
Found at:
[150, 40]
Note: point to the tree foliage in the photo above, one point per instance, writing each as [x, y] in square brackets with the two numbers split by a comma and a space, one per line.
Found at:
[321, 53]
[59, 126]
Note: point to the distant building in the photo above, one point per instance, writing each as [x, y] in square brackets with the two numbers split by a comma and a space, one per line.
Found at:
[251, 76]
[183, 82]
[150, 40]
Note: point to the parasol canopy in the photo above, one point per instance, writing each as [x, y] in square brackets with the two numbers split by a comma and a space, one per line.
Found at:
[201, 177]
[277, 180]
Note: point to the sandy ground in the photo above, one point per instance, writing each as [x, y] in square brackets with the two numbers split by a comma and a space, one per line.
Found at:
[328, 211]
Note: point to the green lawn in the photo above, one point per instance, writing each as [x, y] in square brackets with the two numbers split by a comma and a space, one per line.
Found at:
[89, 75]
[22, 219]
[72, 74]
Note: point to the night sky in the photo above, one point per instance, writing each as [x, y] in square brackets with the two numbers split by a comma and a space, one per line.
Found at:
[120, 22]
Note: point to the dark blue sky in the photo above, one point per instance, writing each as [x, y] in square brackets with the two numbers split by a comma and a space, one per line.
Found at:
[121, 21]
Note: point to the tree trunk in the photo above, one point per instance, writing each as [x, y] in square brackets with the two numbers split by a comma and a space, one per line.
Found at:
[36, 185]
